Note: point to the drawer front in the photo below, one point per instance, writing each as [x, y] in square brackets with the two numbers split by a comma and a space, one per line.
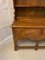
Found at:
[27, 33]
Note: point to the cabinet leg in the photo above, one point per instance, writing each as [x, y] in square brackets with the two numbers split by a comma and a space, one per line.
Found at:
[15, 46]
[36, 47]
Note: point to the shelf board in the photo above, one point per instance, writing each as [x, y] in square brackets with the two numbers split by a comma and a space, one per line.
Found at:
[29, 22]
[23, 6]
[32, 16]
[31, 19]
[28, 6]
[32, 26]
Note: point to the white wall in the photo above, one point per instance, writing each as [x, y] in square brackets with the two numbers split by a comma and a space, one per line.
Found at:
[6, 18]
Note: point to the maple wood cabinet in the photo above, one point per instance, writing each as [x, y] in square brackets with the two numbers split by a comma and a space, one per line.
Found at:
[29, 22]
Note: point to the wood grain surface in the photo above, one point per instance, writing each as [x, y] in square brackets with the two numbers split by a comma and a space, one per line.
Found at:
[29, 22]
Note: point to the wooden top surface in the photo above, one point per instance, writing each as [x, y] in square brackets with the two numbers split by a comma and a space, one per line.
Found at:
[31, 22]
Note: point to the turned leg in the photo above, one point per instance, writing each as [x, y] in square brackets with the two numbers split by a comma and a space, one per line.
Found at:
[15, 46]
[14, 39]
[36, 47]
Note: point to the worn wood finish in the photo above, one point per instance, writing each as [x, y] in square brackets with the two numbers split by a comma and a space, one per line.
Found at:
[29, 22]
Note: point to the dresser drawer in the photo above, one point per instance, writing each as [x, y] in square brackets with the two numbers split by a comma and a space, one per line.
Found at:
[27, 31]
[21, 33]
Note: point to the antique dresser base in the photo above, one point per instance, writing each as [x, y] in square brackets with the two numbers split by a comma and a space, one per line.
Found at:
[20, 33]
[36, 47]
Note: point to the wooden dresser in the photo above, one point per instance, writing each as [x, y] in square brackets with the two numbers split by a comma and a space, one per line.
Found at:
[29, 22]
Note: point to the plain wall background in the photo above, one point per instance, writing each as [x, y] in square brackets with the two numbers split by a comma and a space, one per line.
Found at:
[6, 18]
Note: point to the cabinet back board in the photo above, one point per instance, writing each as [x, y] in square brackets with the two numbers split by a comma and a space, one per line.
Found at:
[30, 12]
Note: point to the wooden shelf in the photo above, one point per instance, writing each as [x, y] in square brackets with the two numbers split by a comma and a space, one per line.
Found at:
[31, 19]
[29, 22]
[28, 6]
[28, 3]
